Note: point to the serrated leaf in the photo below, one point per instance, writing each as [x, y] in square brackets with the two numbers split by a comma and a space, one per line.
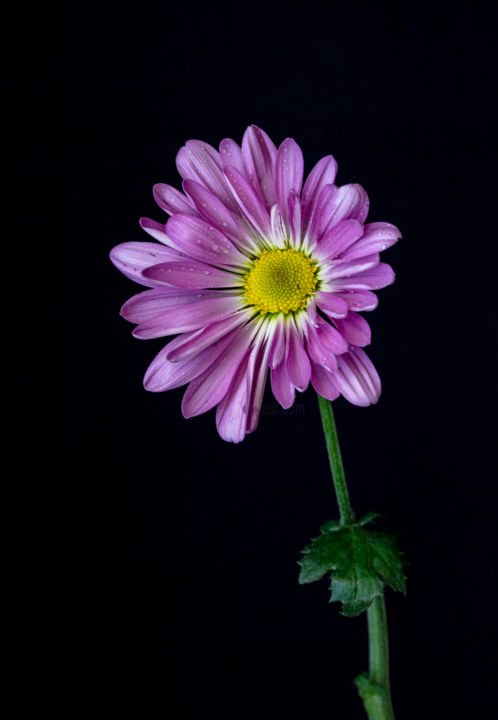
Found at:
[322, 555]
[388, 560]
[356, 592]
[360, 561]
[356, 583]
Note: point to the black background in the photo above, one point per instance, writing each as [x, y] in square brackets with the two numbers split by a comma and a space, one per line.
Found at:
[164, 560]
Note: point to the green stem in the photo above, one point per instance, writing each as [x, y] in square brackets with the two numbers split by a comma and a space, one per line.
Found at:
[335, 459]
[378, 652]
[373, 688]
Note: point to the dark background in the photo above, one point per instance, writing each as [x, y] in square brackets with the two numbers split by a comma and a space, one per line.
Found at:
[164, 575]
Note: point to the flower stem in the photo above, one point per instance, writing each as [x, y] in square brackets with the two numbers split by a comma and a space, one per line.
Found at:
[335, 459]
[379, 704]
[374, 688]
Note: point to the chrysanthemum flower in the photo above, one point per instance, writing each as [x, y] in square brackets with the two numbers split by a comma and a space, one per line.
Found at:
[254, 272]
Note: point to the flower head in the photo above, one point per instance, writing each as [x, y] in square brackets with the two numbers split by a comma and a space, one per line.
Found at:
[254, 272]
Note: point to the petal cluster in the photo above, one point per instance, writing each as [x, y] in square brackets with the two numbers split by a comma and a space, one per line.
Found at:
[238, 204]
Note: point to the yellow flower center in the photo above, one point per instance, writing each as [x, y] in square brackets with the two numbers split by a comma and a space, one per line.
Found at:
[280, 281]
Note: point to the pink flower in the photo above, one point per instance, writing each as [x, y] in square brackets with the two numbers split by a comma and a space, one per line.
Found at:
[254, 272]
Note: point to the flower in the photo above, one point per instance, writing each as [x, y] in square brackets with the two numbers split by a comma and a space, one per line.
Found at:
[254, 272]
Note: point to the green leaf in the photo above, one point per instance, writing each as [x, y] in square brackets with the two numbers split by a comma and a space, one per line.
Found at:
[368, 517]
[366, 688]
[388, 560]
[361, 563]
[375, 698]
[325, 553]
[330, 526]
[356, 590]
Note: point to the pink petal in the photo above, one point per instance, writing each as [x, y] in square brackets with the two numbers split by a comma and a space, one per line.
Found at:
[377, 237]
[339, 238]
[231, 155]
[324, 205]
[277, 343]
[330, 338]
[298, 363]
[294, 207]
[311, 311]
[377, 277]
[151, 303]
[215, 212]
[171, 200]
[259, 153]
[191, 275]
[357, 378]
[193, 344]
[289, 168]
[191, 316]
[322, 174]
[200, 162]
[231, 413]
[133, 257]
[360, 300]
[278, 231]
[155, 230]
[331, 304]
[208, 389]
[162, 374]
[355, 329]
[257, 385]
[340, 269]
[338, 203]
[281, 386]
[250, 204]
[318, 352]
[202, 241]
[362, 206]
[350, 201]
[323, 382]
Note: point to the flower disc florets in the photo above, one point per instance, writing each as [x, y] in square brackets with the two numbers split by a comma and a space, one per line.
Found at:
[280, 281]
[257, 271]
